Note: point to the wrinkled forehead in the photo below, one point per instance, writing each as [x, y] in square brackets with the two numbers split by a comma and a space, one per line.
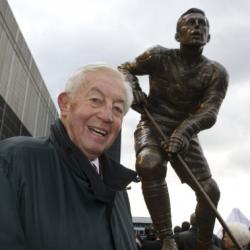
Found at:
[105, 80]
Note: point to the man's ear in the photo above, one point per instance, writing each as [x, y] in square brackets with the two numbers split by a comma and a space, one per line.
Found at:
[63, 101]
[208, 38]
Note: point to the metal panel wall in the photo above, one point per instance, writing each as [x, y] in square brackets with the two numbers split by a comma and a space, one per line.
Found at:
[21, 85]
[5, 62]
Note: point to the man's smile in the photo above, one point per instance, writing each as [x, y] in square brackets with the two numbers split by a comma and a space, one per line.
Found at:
[98, 131]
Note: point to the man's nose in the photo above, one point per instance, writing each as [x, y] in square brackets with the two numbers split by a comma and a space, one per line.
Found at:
[106, 114]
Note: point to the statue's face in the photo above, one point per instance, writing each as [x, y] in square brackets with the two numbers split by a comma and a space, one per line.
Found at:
[193, 30]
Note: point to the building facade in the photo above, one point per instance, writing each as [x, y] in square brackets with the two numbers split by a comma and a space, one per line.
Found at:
[26, 107]
[140, 223]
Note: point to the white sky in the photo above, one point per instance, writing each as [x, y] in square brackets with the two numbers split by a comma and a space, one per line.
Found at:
[64, 35]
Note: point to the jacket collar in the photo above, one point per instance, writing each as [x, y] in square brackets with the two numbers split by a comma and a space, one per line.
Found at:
[115, 176]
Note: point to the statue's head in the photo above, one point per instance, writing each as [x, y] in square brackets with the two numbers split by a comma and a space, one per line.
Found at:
[193, 28]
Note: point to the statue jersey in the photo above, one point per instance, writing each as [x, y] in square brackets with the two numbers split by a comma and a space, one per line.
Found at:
[179, 91]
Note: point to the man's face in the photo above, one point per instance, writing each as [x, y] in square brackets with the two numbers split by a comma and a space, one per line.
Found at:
[194, 30]
[94, 116]
[227, 242]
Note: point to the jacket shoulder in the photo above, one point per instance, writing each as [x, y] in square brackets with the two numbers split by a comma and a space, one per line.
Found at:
[23, 145]
[20, 152]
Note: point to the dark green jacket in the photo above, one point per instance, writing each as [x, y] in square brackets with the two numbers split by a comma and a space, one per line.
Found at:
[51, 198]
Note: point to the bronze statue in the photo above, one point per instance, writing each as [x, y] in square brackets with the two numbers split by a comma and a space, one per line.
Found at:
[186, 92]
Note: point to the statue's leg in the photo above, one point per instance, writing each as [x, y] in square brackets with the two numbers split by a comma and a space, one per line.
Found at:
[151, 166]
[205, 216]
[197, 163]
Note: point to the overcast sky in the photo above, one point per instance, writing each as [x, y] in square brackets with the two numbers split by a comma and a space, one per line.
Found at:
[64, 35]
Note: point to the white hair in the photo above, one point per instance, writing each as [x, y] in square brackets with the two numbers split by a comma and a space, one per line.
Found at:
[241, 232]
[78, 79]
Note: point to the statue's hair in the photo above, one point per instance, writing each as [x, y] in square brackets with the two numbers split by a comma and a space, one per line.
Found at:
[79, 79]
[189, 11]
[193, 10]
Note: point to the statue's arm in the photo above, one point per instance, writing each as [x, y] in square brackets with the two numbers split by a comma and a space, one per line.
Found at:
[144, 64]
[206, 112]
[130, 71]
[140, 98]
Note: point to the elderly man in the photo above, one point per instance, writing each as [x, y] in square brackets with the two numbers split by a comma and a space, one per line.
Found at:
[51, 196]
[186, 92]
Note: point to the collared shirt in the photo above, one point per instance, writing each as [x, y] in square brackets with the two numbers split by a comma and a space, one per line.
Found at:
[95, 163]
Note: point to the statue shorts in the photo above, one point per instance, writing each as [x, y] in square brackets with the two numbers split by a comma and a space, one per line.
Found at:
[147, 137]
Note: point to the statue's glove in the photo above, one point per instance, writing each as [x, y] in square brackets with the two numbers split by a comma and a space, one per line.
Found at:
[140, 100]
[176, 144]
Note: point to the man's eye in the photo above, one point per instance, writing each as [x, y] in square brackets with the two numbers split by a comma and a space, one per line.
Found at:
[202, 22]
[95, 100]
[118, 110]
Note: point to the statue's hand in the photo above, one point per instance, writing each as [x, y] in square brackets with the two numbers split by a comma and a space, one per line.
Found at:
[140, 100]
[165, 146]
[177, 144]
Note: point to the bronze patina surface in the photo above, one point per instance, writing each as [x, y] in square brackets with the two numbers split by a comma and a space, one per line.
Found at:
[185, 95]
